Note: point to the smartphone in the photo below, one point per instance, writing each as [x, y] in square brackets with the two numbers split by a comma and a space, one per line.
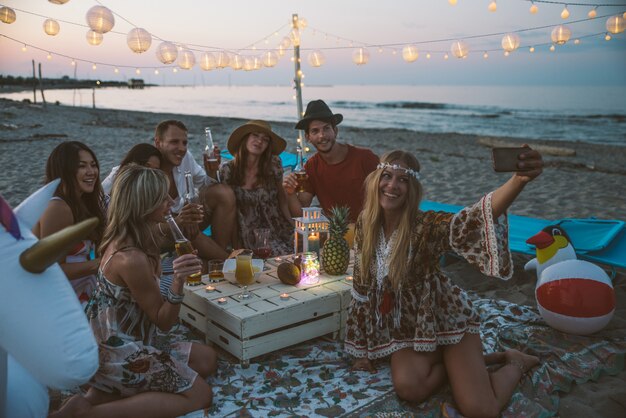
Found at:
[506, 159]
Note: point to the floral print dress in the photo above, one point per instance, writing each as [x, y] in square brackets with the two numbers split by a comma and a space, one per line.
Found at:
[427, 310]
[128, 362]
[259, 208]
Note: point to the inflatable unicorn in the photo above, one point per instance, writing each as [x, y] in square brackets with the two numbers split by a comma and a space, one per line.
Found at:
[45, 339]
[573, 296]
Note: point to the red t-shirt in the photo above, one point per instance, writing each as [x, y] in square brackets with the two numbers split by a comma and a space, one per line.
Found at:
[341, 184]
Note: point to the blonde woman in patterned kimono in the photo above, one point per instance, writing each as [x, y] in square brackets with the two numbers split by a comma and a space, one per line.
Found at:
[403, 305]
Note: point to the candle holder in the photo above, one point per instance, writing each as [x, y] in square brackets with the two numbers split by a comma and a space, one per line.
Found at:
[309, 268]
[311, 231]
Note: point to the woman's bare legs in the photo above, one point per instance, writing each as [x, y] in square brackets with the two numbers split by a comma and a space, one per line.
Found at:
[203, 359]
[149, 404]
[417, 375]
[476, 391]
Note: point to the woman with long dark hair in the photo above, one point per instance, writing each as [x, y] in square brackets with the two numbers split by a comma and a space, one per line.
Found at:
[78, 197]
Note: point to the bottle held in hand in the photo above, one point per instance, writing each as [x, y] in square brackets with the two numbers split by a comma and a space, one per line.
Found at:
[300, 172]
[183, 246]
[209, 150]
[190, 196]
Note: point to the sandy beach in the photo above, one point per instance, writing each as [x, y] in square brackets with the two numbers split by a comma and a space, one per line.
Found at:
[580, 180]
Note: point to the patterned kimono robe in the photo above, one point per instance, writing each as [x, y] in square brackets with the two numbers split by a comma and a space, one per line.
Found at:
[427, 310]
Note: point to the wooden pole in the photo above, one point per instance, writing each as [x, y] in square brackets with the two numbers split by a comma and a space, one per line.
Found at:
[298, 75]
[34, 84]
[93, 97]
[43, 97]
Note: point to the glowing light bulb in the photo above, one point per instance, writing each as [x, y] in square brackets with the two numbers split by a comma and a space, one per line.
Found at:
[24, 49]
[531, 49]
[156, 71]
[428, 55]
[592, 13]
[507, 53]
[137, 71]
[116, 70]
[576, 41]
[534, 9]
[552, 48]
[452, 2]
[73, 63]
[380, 50]
[445, 57]
[175, 70]
[93, 67]
[565, 13]
[492, 6]
[607, 37]
[49, 56]
[485, 55]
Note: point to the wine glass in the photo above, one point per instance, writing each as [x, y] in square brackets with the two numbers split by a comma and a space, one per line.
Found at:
[244, 273]
[262, 247]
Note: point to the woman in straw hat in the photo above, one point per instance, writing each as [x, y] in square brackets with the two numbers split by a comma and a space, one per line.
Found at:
[255, 174]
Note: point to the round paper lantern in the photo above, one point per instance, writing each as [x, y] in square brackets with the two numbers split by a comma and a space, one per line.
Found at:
[452, 2]
[270, 58]
[167, 52]
[51, 27]
[236, 62]
[94, 38]
[615, 24]
[285, 42]
[360, 56]
[222, 60]
[575, 296]
[58, 1]
[139, 40]
[561, 34]
[207, 61]
[409, 53]
[459, 49]
[316, 59]
[248, 64]
[510, 42]
[7, 15]
[565, 13]
[100, 19]
[186, 59]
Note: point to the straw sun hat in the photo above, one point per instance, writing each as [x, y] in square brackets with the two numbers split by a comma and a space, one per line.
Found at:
[277, 144]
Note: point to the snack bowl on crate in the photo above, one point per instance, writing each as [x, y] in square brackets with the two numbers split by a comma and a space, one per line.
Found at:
[230, 265]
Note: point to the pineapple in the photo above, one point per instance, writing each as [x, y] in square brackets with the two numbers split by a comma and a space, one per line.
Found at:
[336, 253]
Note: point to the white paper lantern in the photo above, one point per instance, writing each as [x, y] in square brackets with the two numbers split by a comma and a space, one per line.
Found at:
[236, 62]
[561, 34]
[222, 59]
[316, 59]
[285, 42]
[7, 15]
[257, 63]
[58, 1]
[100, 19]
[360, 56]
[51, 27]
[167, 52]
[409, 53]
[270, 58]
[94, 38]
[207, 61]
[139, 40]
[615, 24]
[248, 64]
[186, 59]
[459, 49]
[510, 42]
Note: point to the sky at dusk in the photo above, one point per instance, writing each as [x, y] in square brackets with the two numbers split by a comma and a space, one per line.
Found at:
[335, 28]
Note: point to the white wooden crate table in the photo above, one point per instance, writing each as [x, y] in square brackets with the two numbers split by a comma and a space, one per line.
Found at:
[265, 322]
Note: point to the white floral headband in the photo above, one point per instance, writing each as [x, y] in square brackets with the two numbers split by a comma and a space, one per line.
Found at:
[409, 171]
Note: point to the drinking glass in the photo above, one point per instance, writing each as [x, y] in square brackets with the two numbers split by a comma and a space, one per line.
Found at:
[244, 273]
[262, 247]
[216, 268]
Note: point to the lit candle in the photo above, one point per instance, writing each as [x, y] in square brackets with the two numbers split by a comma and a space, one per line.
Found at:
[277, 259]
[221, 301]
[210, 289]
[314, 242]
[349, 278]
[284, 296]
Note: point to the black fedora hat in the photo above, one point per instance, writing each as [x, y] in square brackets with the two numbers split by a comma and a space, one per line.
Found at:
[318, 110]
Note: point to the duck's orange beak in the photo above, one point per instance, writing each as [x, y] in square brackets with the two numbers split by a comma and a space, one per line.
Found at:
[541, 240]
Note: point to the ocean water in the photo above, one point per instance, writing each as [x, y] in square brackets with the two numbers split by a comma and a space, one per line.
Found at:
[578, 113]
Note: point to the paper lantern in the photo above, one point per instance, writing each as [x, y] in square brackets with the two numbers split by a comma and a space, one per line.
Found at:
[222, 59]
[100, 19]
[565, 13]
[281, 50]
[534, 9]
[257, 63]
[360, 56]
[248, 64]
[186, 59]
[94, 38]
[236, 62]
[316, 59]
[58, 1]
[459, 49]
[615, 24]
[7, 15]
[285, 42]
[409, 53]
[139, 40]
[561, 34]
[575, 296]
[510, 42]
[51, 27]
[270, 58]
[492, 6]
[452, 2]
[208, 61]
[167, 52]
[592, 13]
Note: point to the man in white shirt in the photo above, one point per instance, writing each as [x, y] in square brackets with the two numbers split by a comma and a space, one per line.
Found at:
[218, 200]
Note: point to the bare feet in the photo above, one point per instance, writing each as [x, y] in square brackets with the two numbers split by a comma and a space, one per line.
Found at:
[525, 362]
[363, 364]
[494, 358]
[76, 406]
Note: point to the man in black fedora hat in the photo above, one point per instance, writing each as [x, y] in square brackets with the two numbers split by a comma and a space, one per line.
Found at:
[336, 172]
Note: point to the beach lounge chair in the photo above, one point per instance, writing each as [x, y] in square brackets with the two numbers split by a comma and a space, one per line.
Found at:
[597, 240]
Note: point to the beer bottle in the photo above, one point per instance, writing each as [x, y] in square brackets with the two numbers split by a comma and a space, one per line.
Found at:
[190, 196]
[183, 246]
[299, 171]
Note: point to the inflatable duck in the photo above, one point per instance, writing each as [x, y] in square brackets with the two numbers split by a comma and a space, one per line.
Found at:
[573, 296]
[45, 339]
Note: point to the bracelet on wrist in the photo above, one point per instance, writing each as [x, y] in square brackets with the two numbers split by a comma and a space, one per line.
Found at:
[173, 298]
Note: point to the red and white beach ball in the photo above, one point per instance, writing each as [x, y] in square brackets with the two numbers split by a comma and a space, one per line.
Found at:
[576, 297]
